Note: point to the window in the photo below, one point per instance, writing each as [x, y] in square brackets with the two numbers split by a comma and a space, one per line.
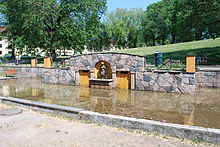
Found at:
[0, 45]
[0, 52]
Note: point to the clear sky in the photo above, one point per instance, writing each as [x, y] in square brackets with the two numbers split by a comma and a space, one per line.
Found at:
[113, 4]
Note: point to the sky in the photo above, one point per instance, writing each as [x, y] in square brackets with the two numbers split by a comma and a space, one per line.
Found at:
[113, 4]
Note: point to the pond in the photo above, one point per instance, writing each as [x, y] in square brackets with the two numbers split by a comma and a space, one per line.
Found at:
[200, 109]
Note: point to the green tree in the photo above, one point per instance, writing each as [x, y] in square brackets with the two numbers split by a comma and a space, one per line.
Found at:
[124, 27]
[100, 40]
[155, 28]
[53, 24]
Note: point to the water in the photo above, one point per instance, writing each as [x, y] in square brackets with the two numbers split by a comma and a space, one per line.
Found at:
[200, 109]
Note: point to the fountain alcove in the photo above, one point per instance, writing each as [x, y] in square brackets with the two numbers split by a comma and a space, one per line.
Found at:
[120, 70]
[102, 76]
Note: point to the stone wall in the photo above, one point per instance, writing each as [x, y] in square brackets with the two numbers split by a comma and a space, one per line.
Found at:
[176, 82]
[25, 72]
[208, 79]
[59, 76]
[117, 61]
[50, 75]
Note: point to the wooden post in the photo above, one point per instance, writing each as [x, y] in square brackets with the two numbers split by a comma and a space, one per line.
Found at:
[33, 62]
[190, 64]
[47, 62]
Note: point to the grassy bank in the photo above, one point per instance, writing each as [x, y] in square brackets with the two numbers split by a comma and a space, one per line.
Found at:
[209, 48]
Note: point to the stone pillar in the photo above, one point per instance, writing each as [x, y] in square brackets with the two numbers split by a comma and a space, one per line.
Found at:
[92, 73]
[114, 79]
[132, 80]
[33, 62]
[132, 97]
[77, 76]
[190, 64]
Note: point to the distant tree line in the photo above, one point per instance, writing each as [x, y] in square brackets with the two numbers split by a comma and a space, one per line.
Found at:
[164, 22]
[78, 24]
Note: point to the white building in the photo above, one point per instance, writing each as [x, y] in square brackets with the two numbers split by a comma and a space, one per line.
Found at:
[4, 44]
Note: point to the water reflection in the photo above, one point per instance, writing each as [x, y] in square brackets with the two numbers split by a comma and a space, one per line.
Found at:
[200, 109]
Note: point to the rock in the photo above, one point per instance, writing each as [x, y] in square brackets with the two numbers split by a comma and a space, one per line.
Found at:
[160, 80]
[179, 80]
[147, 78]
[191, 81]
[209, 73]
[139, 85]
[169, 88]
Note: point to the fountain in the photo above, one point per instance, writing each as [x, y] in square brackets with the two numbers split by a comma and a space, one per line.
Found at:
[103, 76]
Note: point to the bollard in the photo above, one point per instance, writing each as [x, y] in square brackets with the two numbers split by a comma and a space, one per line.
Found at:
[33, 62]
[47, 62]
[158, 58]
[190, 64]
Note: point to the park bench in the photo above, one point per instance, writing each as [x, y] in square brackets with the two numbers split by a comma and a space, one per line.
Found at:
[10, 72]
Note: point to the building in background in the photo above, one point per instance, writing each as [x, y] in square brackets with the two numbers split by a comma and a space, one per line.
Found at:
[6, 48]
[4, 44]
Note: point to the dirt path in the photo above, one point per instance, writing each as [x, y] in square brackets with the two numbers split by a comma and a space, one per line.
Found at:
[33, 129]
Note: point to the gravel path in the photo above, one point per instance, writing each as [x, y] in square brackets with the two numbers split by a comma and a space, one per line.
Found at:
[33, 129]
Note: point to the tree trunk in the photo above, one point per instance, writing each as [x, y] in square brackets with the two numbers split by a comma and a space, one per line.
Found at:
[173, 38]
[198, 35]
[13, 53]
[163, 41]
[64, 51]
[53, 53]
[154, 41]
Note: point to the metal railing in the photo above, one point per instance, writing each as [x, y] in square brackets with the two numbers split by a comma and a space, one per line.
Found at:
[166, 63]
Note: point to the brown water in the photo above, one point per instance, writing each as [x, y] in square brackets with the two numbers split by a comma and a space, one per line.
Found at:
[200, 109]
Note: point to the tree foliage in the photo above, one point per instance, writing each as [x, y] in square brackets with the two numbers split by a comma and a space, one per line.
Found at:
[53, 24]
[124, 25]
[74, 24]
[164, 22]
[173, 21]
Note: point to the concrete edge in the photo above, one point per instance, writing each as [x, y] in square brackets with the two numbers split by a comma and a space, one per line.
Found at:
[208, 70]
[42, 105]
[174, 130]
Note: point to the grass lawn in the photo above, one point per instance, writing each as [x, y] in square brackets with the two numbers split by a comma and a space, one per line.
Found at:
[209, 48]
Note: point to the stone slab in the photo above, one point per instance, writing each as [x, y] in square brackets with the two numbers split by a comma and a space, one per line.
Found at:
[10, 112]
[7, 78]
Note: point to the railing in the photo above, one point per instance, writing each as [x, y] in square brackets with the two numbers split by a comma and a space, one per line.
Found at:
[203, 60]
[61, 63]
[166, 63]
[14, 62]
[57, 63]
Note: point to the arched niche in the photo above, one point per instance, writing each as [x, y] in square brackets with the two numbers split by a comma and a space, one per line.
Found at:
[98, 70]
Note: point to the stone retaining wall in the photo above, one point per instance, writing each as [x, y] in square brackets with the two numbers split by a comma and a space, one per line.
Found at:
[118, 61]
[208, 79]
[59, 76]
[25, 72]
[150, 81]
[176, 82]
[50, 75]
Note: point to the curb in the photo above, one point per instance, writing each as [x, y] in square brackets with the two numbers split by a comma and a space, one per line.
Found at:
[174, 130]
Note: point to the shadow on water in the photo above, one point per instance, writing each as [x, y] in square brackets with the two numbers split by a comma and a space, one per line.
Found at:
[200, 109]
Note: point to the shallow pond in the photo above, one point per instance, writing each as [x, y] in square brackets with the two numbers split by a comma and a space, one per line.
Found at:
[200, 109]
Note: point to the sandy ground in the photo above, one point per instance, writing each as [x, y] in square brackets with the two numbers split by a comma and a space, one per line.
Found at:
[34, 129]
